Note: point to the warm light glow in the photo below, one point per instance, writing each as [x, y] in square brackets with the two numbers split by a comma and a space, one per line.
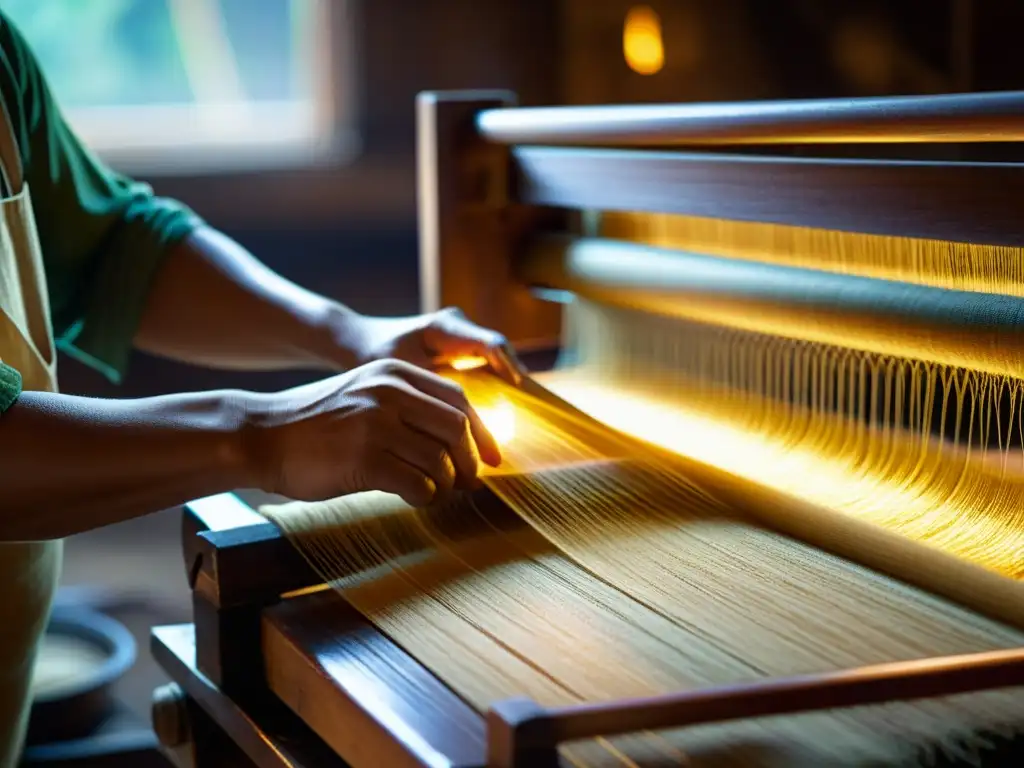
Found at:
[888, 481]
[468, 363]
[500, 420]
[801, 471]
[641, 41]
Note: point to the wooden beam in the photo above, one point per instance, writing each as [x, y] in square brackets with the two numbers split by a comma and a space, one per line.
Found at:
[369, 700]
[519, 731]
[237, 563]
[469, 228]
[266, 731]
[946, 118]
[962, 202]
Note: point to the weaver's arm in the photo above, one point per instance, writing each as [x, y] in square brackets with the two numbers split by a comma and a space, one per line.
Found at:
[213, 303]
[69, 464]
[124, 266]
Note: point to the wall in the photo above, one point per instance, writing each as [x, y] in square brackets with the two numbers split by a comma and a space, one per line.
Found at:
[711, 53]
[748, 49]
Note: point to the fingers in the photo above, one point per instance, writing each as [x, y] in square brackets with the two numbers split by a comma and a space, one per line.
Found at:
[427, 455]
[450, 335]
[447, 426]
[391, 474]
[505, 363]
[458, 425]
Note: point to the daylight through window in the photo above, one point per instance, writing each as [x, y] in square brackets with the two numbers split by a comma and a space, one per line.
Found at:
[185, 83]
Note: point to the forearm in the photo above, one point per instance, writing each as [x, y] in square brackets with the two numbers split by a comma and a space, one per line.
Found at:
[215, 304]
[70, 464]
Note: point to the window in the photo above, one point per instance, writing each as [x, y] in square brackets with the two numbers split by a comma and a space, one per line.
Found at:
[187, 85]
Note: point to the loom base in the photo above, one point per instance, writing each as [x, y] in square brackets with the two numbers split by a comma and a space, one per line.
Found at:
[213, 730]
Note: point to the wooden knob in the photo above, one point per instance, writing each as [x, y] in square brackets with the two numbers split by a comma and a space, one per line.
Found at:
[170, 716]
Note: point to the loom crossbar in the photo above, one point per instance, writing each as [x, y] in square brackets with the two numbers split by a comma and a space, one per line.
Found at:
[519, 731]
[949, 201]
[975, 117]
[881, 316]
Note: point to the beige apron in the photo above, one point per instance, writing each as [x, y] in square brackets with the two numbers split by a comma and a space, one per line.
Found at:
[28, 572]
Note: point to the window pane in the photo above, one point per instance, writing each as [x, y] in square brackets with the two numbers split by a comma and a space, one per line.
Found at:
[107, 53]
[189, 85]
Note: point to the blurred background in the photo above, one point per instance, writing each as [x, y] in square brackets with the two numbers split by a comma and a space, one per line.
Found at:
[289, 124]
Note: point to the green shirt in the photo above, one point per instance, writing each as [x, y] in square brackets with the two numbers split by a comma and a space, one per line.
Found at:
[103, 236]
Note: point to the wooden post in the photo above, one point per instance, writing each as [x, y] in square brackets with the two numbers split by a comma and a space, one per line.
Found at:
[471, 226]
[187, 735]
[519, 735]
[237, 564]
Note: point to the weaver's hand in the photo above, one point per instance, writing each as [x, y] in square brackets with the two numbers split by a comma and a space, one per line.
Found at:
[433, 340]
[387, 426]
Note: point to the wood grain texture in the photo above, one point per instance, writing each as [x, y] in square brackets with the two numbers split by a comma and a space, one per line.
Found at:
[970, 117]
[266, 731]
[368, 699]
[537, 728]
[962, 202]
[468, 225]
[236, 557]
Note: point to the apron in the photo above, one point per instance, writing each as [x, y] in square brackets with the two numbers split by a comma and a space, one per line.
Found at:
[28, 571]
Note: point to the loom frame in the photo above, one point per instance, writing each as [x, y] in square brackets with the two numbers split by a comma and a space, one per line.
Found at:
[601, 158]
[244, 624]
[232, 556]
[484, 206]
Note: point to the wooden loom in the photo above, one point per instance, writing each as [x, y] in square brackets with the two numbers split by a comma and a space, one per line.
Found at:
[276, 672]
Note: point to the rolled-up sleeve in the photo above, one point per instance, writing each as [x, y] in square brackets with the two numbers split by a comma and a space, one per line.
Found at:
[10, 387]
[103, 236]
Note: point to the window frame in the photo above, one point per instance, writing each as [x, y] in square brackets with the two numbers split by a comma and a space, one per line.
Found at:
[146, 140]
